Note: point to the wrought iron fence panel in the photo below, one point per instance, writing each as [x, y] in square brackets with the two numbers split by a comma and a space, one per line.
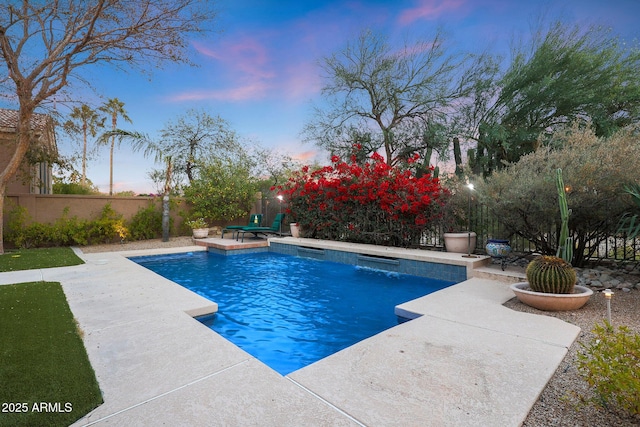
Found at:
[488, 226]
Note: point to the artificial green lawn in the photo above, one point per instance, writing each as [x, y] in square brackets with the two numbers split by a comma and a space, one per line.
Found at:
[44, 369]
[29, 259]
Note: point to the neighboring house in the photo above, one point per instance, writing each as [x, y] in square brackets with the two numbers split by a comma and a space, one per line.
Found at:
[35, 175]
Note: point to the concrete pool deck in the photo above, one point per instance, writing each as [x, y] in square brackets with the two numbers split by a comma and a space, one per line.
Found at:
[466, 360]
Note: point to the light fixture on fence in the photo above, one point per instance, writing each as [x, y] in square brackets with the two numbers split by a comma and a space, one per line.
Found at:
[468, 255]
[608, 293]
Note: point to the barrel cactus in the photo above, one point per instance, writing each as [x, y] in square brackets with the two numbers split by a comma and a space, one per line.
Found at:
[551, 274]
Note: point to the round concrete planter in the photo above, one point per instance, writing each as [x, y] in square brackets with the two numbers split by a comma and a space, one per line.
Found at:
[200, 233]
[552, 302]
[459, 242]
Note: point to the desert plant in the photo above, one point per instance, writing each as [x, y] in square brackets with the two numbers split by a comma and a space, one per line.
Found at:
[565, 242]
[196, 223]
[455, 205]
[610, 364]
[630, 222]
[551, 274]
[594, 170]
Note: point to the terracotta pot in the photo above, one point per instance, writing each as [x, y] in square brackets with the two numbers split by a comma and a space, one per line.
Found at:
[200, 233]
[459, 242]
[552, 302]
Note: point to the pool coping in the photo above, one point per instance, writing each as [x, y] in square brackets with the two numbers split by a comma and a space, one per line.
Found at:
[466, 360]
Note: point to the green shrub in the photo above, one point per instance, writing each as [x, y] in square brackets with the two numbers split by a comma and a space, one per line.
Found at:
[108, 227]
[73, 188]
[65, 231]
[625, 253]
[223, 190]
[146, 224]
[611, 367]
[595, 170]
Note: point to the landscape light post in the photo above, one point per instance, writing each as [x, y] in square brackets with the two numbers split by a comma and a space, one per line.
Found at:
[280, 200]
[468, 255]
[608, 293]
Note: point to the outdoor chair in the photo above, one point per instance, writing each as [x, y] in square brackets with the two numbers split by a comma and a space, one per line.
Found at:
[254, 221]
[274, 229]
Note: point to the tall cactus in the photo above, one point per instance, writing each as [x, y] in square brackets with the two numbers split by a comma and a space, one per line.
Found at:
[565, 243]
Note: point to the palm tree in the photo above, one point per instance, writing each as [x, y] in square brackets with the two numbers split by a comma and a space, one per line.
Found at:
[114, 108]
[140, 141]
[86, 120]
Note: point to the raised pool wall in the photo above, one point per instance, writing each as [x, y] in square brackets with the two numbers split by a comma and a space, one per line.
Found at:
[417, 262]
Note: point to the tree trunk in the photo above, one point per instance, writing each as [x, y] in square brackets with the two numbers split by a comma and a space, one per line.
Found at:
[165, 218]
[388, 144]
[83, 180]
[3, 189]
[114, 126]
[111, 168]
[457, 155]
[23, 138]
[165, 201]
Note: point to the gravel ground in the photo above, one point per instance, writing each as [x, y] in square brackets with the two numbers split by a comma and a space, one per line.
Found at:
[558, 404]
[174, 242]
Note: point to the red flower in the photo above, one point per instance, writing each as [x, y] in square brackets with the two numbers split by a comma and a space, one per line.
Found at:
[372, 199]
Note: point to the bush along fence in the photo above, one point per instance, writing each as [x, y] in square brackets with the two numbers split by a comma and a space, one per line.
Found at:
[297, 201]
[487, 226]
[363, 202]
[45, 220]
[108, 227]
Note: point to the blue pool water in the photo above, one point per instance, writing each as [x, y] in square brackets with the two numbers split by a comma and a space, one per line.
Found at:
[289, 311]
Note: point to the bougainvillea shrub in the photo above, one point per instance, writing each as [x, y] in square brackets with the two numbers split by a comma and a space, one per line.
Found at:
[368, 202]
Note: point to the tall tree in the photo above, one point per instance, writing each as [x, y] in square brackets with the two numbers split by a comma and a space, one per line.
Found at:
[567, 73]
[195, 136]
[140, 141]
[114, 108]
[84, 121]
[380, 96]
[45, 45]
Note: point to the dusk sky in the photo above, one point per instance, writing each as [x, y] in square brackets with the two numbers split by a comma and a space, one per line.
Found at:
[260, 72]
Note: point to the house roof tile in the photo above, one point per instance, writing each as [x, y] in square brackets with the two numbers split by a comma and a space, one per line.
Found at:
[9, 119]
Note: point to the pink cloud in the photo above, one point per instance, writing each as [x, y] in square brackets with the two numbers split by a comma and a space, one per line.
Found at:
[242, 66]
[301, 80]
[429, 10]
[246, 55]
[239, 93]
[279, 63]
[305, 156]
[245, 67]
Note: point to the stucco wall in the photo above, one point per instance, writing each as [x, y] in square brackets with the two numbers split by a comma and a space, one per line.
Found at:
[46, 208]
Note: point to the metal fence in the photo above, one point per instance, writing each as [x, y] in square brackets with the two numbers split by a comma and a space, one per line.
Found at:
[487, 226]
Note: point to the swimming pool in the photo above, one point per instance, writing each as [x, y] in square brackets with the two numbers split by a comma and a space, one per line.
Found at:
[290, 311]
